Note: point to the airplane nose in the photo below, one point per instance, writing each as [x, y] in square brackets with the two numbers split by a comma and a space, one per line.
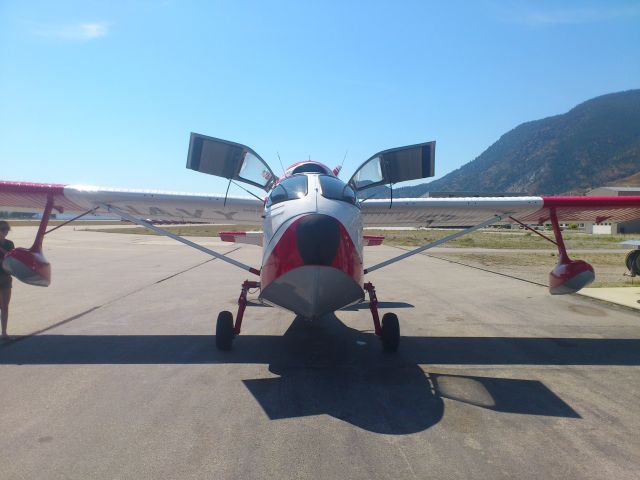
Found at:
[318, 238]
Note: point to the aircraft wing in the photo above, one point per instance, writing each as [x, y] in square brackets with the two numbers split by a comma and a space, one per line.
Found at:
[465, 212]
[144, 204]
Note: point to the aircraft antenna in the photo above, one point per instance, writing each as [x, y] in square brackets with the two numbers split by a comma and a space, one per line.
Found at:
[280, 160]
[343, 159]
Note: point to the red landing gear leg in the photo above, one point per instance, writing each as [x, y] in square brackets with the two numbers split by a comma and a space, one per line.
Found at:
[225, 329]
[568, 276]
[373, 306]
[30, 265]
[242, 303]
[389, 331]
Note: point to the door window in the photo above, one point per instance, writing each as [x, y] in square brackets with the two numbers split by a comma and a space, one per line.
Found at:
[228, 160]
[369, 173]
[396, 165]
[254, 170]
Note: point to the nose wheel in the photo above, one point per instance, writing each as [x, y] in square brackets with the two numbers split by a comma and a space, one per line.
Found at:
[389, 330]
[224, 331]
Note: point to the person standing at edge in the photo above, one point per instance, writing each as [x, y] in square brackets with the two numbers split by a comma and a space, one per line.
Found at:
[5, 278]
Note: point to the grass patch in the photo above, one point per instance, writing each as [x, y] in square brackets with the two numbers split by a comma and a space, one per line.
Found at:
[182, 230]
[535, 266]
[540, 259]
[499, 239]
[53, 222]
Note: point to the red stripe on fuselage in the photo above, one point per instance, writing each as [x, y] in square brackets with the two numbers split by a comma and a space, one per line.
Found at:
[285, 256]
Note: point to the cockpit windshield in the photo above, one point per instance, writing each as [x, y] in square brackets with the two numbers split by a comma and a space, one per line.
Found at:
[336, 189]
[289, 189]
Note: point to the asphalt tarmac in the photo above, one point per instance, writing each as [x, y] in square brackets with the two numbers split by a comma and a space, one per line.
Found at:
[113, 373]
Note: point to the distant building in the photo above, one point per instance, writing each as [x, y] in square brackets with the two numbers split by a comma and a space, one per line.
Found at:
[21, 215]
[609, 227]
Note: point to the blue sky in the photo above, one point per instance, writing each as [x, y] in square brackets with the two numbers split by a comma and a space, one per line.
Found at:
[106, 93]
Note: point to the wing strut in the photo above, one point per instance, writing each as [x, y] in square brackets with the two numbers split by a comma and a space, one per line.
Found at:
[93, 210]
[435, 243]
[180, 239]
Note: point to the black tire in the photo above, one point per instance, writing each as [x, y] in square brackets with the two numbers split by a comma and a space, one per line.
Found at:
[633, 262]
[224, 331]
[390, 332]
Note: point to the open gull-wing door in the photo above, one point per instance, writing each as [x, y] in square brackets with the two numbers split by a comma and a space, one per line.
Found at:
[228, 160]
[396, 165]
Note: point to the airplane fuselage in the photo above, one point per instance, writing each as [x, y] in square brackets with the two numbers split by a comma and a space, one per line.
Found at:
[312, 259]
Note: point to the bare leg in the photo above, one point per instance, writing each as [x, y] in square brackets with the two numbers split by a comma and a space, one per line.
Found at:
[5, 298]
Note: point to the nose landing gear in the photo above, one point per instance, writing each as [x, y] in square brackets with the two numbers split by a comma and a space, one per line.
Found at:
[389, 330]
[226, 331]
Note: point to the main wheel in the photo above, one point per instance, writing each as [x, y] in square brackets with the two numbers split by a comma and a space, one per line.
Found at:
[224, 330]
[390, 332]
[633, 262]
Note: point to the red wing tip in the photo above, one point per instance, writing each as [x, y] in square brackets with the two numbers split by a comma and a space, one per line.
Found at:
[30, 187]
[587, 201]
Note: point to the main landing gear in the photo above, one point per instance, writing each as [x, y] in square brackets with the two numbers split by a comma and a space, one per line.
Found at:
[226, 331]
[632, 261]
[389, 330]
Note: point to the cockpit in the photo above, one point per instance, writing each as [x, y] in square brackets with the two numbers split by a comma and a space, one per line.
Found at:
[334, 188]
[297, 186]
[290, 188]
[308, 167]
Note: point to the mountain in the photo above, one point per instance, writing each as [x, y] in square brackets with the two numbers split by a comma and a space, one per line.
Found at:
[594, 144]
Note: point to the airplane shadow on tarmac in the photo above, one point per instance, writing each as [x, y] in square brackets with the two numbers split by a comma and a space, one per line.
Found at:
[329, 368]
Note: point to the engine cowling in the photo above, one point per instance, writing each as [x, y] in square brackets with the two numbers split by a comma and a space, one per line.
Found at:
[569, 276]
[28, 266]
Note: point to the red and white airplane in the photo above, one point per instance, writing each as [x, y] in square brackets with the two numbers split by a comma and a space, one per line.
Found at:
[312, 238]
